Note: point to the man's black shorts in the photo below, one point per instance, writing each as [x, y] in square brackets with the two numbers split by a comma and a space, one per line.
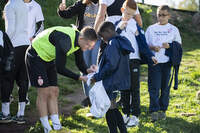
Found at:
[41, 73]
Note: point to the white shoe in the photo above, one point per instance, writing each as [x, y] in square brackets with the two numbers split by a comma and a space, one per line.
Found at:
[133, 121]
[126, 119]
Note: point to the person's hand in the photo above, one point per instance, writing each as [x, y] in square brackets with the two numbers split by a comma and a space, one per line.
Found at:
[154, 60]
[31, 39]
[93, 68]
[157, 48]
[62, 6]
[123, 25]
[83, 78]
[165, 45]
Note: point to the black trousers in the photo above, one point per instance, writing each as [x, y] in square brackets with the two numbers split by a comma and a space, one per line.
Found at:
[19, 74]
[131, 98]
[114, 120]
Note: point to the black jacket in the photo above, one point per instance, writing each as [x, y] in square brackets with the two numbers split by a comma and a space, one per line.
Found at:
[5, 50]
[78, 8]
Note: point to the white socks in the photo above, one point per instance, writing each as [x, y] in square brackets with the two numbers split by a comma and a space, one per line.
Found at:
[5, 108]
[56, 122]
[45, 123]
[21, 108]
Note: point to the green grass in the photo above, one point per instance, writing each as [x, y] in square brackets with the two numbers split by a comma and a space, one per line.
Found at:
[182, 100]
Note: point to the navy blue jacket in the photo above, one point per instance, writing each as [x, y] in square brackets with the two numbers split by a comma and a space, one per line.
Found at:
[144, 50]
[175, 55]
[114, 64]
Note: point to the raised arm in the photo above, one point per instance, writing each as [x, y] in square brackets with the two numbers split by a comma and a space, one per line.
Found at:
[100, 16]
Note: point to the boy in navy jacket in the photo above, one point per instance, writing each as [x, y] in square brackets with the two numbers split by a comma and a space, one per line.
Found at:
[114, 72]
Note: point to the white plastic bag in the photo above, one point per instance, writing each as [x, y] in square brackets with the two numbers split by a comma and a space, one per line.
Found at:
[99, 100]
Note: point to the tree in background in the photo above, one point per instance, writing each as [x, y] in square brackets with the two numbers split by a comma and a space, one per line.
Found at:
[192, 5]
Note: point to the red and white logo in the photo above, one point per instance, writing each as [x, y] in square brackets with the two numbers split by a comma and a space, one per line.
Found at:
[40, 81]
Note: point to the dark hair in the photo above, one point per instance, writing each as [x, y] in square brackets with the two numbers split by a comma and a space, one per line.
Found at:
[106, 27]
[164, 7]
[131, 4]
[89, 33]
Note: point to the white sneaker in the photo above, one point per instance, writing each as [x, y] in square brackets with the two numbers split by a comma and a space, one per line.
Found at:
[133, 121]
[126, 119]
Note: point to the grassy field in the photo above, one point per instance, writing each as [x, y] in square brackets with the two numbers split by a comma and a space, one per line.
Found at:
[182, 100]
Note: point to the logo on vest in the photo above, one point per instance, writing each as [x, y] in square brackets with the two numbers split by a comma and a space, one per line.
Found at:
[40, 81]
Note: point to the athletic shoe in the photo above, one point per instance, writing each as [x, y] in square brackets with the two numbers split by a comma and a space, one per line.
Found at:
[126, 119]
[5, 119]
[19, 119]
[133, 121]
[154, 116]
[161, 115]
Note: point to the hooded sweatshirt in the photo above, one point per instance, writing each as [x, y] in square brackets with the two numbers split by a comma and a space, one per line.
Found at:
[114, 64]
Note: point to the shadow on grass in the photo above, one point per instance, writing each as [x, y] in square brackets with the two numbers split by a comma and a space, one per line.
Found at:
[170, 125]
[80, 123]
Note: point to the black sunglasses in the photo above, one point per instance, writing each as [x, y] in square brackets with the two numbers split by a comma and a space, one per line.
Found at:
[162, 15]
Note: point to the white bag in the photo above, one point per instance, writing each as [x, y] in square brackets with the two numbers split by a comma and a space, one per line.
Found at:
[99, 100]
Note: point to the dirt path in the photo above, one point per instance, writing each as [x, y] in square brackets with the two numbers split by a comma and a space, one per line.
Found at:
[32, 116]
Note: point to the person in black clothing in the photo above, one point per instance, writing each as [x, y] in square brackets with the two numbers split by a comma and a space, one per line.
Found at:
[6, 68]
[47, 56]
[86, 12]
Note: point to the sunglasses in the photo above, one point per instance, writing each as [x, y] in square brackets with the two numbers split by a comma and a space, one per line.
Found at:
[162, 15]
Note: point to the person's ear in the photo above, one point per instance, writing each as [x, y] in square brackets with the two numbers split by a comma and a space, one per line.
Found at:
[169, 16]
[122, 9]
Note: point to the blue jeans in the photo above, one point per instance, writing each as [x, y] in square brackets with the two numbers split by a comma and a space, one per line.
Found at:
[158, 79]
[90, 57]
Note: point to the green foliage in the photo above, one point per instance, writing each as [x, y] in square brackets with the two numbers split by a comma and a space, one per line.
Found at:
[146, 15]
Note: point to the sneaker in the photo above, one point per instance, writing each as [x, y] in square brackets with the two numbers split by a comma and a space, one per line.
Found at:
[86, 102]
[133, 121]
[5, 119]
[154, 116]
[90, 115]
[161, 115]
[19, 119]
[126, 119]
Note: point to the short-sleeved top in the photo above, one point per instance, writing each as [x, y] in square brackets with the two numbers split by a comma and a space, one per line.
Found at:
[90, 14]
[157, 34]
[129, 33]
[109, 3]
[34, 15]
